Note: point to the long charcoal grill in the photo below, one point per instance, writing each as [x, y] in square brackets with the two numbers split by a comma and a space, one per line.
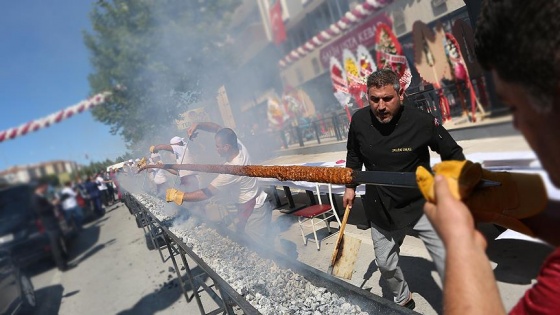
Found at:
[225, 295]
[220, 291]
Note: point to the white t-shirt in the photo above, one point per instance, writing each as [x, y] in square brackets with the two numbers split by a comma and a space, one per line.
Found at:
[71, 201]
[239, 189]
[159, 176]
[183, 156]
[100, 183]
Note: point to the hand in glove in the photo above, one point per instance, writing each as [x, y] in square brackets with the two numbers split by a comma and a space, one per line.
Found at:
[174, 195]
[142, 163]
[153, 149]
[518, 197]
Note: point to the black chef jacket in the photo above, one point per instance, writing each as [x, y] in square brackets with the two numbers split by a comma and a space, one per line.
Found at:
[398, 146]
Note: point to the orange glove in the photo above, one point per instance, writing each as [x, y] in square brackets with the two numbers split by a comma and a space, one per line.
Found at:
[174, 195]
[518, 197]
[153, 149]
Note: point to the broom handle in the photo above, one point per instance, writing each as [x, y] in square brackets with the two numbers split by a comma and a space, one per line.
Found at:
[340, 234]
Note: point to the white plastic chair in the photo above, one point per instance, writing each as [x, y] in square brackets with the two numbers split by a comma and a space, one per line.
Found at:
[312, 215]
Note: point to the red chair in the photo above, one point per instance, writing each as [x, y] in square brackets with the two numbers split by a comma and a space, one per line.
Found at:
[311, 216]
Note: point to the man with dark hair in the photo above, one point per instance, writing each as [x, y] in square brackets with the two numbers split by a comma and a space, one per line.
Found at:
[518, 42]
[391, 136]
[253, 210]
[46, 210]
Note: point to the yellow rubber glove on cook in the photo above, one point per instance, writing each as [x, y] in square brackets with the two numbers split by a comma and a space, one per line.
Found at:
[153, 149]
[174, 195]
[518, 197]
[142, 163]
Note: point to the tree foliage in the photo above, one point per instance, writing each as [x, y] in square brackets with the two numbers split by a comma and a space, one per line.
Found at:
[167, 54]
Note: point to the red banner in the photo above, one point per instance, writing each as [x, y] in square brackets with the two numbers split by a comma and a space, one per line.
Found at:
[363, 34]
[277, 24]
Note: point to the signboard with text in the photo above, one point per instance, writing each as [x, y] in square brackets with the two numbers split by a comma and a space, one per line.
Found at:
[364, 35]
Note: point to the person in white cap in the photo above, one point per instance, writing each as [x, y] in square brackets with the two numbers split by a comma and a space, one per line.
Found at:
[128, 168]
[178, 146]
[158, 175]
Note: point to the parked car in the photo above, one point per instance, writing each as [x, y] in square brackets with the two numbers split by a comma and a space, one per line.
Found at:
[17, 294]
[23, 233]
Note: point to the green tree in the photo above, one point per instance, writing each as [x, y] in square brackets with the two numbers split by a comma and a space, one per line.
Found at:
[167, 54]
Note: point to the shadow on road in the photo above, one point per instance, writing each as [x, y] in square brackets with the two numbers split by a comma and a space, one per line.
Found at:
[418, 273]
[165, 296]
[518, 261]
[92, 252]
[87, 238]
[48, 300]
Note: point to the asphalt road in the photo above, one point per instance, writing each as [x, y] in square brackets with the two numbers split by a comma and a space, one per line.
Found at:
[112, 272]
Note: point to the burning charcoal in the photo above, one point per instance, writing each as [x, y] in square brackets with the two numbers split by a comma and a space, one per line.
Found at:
[268, 287]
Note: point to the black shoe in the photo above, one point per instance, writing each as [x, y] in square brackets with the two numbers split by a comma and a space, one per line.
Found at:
[410, 304]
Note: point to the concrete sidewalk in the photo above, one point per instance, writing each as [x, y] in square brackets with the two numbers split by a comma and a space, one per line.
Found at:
[516, 263]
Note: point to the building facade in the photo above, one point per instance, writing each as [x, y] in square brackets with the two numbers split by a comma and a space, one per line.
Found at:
[28, 173]
[288, 61]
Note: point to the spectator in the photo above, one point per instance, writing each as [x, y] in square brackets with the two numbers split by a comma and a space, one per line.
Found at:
[72, 211]
[102, 186]
[95, 196]
[46, 210]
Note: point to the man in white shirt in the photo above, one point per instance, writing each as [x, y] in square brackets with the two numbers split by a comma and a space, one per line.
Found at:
[253, 210]
[102, 186]
[70, 205]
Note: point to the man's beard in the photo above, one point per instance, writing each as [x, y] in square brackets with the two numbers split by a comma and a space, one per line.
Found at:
[387, 119]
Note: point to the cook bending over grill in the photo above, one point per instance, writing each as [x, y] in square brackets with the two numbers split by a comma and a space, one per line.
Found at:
[179, 147]
[254, 211]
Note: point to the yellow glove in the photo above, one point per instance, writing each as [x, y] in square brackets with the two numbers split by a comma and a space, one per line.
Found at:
[174, 195]
[518, 197]
[141, 163]
[462, 178]
[153, 149]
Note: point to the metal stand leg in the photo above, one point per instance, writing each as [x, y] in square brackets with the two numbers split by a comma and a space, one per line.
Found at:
[154, 236]
[191, 282]
[189, 277]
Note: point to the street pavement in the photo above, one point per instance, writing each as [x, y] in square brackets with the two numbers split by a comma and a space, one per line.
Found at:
[115, 273]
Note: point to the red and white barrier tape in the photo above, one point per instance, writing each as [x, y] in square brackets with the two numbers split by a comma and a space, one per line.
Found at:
[54, 118]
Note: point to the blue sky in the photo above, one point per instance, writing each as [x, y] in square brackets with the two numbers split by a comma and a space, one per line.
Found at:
[44, 66]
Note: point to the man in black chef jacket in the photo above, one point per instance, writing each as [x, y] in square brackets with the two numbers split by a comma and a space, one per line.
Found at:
[391, 136]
